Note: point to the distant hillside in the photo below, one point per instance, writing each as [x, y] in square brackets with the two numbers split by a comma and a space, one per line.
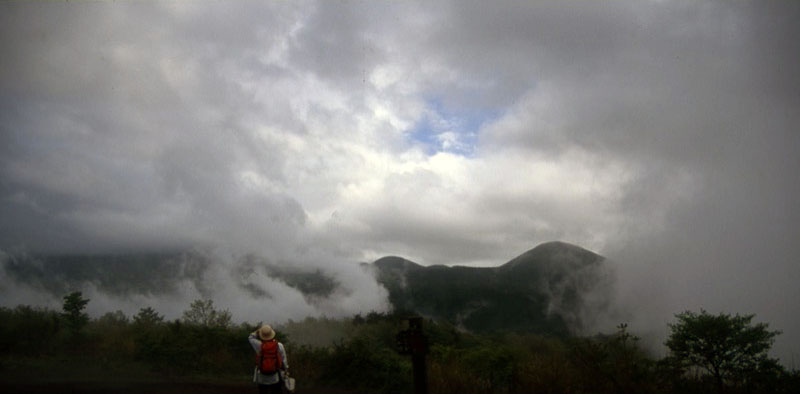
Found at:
[549, 289]
[157, 274]
[545, 290]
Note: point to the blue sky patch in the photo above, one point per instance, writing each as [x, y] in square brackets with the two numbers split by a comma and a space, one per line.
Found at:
[453, 130]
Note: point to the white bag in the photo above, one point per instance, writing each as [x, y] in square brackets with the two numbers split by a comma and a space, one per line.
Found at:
[288, 382]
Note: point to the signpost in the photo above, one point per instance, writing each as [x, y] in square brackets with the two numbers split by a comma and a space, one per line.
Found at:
[414, 343]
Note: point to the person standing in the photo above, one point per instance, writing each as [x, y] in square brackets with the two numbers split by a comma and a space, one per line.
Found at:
[270, 359]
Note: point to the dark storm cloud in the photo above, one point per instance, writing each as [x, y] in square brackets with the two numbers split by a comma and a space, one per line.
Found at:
[109, 126]
[133, 128]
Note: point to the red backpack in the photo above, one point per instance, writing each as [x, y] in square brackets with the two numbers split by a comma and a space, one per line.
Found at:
[269, 361]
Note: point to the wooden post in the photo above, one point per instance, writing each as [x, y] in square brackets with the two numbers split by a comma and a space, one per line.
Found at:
[419, 349]
[413, 342]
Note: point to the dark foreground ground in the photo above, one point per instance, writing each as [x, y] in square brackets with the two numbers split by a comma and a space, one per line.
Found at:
[127, 387]
[143, 387]
[34, 376]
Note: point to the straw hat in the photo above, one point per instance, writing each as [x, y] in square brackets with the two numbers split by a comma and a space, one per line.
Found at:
[266, 332]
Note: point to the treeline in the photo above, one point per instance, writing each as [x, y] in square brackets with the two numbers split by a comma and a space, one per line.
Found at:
[359, 354]
[117, 342]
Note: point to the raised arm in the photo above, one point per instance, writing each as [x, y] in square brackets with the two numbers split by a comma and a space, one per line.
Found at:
[255, 342]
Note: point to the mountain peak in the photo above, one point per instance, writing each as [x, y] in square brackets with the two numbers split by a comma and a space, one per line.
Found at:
[554, 252]
[395, 263]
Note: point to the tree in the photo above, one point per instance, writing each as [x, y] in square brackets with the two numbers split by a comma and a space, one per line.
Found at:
[73, 307]
[116, 318]
[202, 313]
[147, 317]
[729, 348]
[614, 361]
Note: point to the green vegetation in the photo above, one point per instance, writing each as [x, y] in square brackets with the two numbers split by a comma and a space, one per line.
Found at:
[732, 350]
[74, 316]
[202, 313]
[359, 355]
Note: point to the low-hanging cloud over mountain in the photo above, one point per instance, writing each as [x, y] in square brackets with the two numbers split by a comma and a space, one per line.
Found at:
[252, 288]
[662, 135]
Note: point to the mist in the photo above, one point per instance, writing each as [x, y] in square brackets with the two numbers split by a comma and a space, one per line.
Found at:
[250, 287]
[317, 136]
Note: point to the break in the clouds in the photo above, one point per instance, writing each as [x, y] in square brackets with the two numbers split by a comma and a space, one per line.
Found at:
[663, 135]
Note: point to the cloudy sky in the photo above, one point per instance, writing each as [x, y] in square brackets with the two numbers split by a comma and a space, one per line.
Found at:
[663, 135]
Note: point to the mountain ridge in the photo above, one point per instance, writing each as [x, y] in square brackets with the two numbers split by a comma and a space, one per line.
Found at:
[545, 289]
[548, 289]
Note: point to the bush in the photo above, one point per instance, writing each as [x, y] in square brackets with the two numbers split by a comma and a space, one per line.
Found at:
[365, 366]
[111, 338]
[28, 331]
[359, 355]
[488, 368]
